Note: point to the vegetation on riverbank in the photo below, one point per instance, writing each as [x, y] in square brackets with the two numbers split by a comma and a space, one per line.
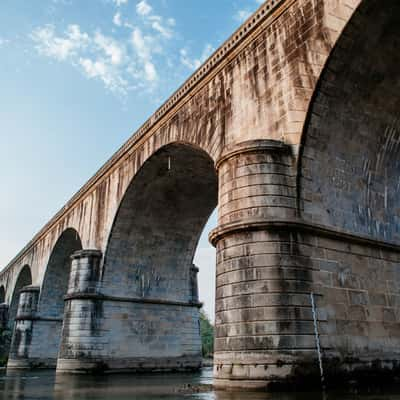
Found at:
[207, 335]
[5, 341]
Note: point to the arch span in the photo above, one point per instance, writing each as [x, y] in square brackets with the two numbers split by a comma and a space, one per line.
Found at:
[24, 279]
[350, 165]
[159, 222]
[148, 310]
[349, 183]
[37, 333]
[55, 281]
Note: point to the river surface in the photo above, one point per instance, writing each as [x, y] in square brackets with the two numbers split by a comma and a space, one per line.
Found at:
[177, 386]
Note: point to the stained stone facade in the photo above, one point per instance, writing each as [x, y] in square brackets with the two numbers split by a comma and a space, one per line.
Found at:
[291, 130]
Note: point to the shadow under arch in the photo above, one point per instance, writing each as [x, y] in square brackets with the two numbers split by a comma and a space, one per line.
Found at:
[348, 163]
[149, 282]
[55, 281]
[159, 222]
[348, 183]
[37, 333]
[2, 294]
[24, 279]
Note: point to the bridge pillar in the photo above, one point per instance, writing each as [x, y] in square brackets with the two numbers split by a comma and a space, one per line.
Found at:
[194, 287]
[81, 338]
[103, 332]
[264, 328]
[21, 343]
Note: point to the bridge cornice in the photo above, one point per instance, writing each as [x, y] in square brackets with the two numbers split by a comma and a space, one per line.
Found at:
[251, 28]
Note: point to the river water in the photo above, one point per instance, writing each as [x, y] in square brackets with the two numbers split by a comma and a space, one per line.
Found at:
[175, 386]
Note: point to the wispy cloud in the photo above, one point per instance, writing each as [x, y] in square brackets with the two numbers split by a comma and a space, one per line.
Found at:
[143, 8]
[3, 42]
[59, 47]
[242, 14]
[111, 48]
[120, 64]
[148, 44]
[96, 56]
[156, 22]
[133, 52]
[117, 19]
[118, 3]
[143, 46]
[194, 63]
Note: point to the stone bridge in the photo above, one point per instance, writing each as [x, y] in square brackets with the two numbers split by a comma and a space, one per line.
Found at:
[290, 129]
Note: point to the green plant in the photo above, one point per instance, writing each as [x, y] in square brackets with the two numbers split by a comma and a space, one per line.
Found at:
[207, 335]
[5, 341]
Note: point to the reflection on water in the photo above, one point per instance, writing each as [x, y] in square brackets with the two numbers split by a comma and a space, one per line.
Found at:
[178, 386]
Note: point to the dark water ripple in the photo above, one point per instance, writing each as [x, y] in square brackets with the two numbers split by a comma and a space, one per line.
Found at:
[46, 385]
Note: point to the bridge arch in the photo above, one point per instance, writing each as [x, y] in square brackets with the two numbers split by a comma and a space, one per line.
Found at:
[349, 164]
[158, 224]
[24, 279]
[349, 188]
[55, 281]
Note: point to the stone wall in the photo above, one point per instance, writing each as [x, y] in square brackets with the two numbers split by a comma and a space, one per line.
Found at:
[122, 335]
[103, 333]
[298, 111]
[257, 85]
[348, 186]
[350, 164]
[359, 308]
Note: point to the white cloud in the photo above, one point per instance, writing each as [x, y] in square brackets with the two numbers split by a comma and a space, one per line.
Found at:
[155, 21]
[157, 25]
[138, 41]
[96, 56]
[102, 70]
[242, 15]
[3, 42]
[143, 47]
[143, 8]
[194, 63]
[117, 19]
[118, 3]
[120, 64]
[110, 47]
[60, 48]
[150, 71]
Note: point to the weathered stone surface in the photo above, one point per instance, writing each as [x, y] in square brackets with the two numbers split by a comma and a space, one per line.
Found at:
[291, 130]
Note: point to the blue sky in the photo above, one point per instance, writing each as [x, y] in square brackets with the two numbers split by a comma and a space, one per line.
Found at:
[77, 78]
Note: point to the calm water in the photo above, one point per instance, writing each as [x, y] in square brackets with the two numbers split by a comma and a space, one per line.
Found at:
[45, 385]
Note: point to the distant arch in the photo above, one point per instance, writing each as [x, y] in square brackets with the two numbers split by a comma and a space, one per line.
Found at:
[24, 279]
[55, 281]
